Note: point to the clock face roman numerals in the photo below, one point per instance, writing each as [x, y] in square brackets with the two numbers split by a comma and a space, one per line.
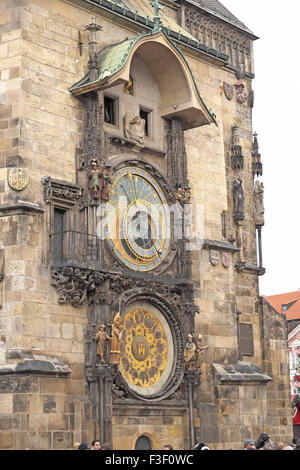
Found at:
[137, 225]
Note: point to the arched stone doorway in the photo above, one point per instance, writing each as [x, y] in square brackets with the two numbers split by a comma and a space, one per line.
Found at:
[143, 443]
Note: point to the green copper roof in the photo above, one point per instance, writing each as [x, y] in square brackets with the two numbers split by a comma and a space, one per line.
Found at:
[112, 58]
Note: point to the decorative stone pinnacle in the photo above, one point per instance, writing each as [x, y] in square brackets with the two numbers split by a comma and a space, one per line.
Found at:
[156, 19]
[92, 28]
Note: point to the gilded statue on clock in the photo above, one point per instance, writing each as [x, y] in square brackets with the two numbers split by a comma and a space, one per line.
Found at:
[137, 225]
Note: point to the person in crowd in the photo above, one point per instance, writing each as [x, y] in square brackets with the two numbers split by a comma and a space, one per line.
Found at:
[167, 447]
[201, 446]
[270, 446]
[106, 446]
[249, 445]
[76, 445]
[262, 441]
[96, 445]
[83, 446]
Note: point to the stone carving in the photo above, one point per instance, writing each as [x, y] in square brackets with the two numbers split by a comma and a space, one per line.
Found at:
[257, 168]
[212, 33]
[99, 181]
[60, 190]
[183, 196]
[237, 159]
[134, 128]
[93, 142]
[176, 156]
[193, 351]
[102, 339]
[200, 350]
[259, 203]
[238, 200]
[17, 178]
[190, 352]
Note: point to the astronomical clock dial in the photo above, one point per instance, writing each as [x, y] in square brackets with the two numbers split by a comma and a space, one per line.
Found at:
[146, 349]
[137, 223]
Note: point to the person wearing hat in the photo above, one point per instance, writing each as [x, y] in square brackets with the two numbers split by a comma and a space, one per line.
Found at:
[249, 445]
[262, 440]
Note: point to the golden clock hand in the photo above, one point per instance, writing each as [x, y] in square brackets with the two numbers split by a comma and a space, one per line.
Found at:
[132, 183]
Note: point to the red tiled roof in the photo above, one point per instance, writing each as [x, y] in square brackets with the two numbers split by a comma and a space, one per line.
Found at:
[277, 302]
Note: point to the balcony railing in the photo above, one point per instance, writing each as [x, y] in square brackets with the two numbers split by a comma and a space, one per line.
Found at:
[71, 246]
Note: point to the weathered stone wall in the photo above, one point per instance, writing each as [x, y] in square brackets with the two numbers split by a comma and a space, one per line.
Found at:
[42, 413]
[41, 126]
[162, 426]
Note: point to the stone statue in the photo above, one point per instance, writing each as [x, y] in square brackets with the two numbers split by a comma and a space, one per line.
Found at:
[193, 352]
[135, 128]
[105, 193]
[190, 352]
[99, 181]
[238, 200]
[102, 338]
[115, 342]
[199, 352]
[95, 179]
[259, 203]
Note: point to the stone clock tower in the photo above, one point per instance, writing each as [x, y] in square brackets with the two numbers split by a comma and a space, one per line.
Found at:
[131, 231]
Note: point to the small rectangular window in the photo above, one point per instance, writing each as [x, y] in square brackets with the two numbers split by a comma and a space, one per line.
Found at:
[144, 114]
[110, 110]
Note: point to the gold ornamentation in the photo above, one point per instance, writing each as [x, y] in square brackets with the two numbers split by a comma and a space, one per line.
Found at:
[138, 227]
[17, 178]
[144, 348]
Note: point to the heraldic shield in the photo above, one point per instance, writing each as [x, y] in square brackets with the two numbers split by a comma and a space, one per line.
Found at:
[17, 178]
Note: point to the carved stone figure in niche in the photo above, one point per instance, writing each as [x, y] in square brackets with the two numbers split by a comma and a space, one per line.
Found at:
[259, 203]
[199, 351]
[238, 200]
[105, 194]
[115, 342]
[99, 181]
[102, 338]
[190, 352]
[135, 128]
